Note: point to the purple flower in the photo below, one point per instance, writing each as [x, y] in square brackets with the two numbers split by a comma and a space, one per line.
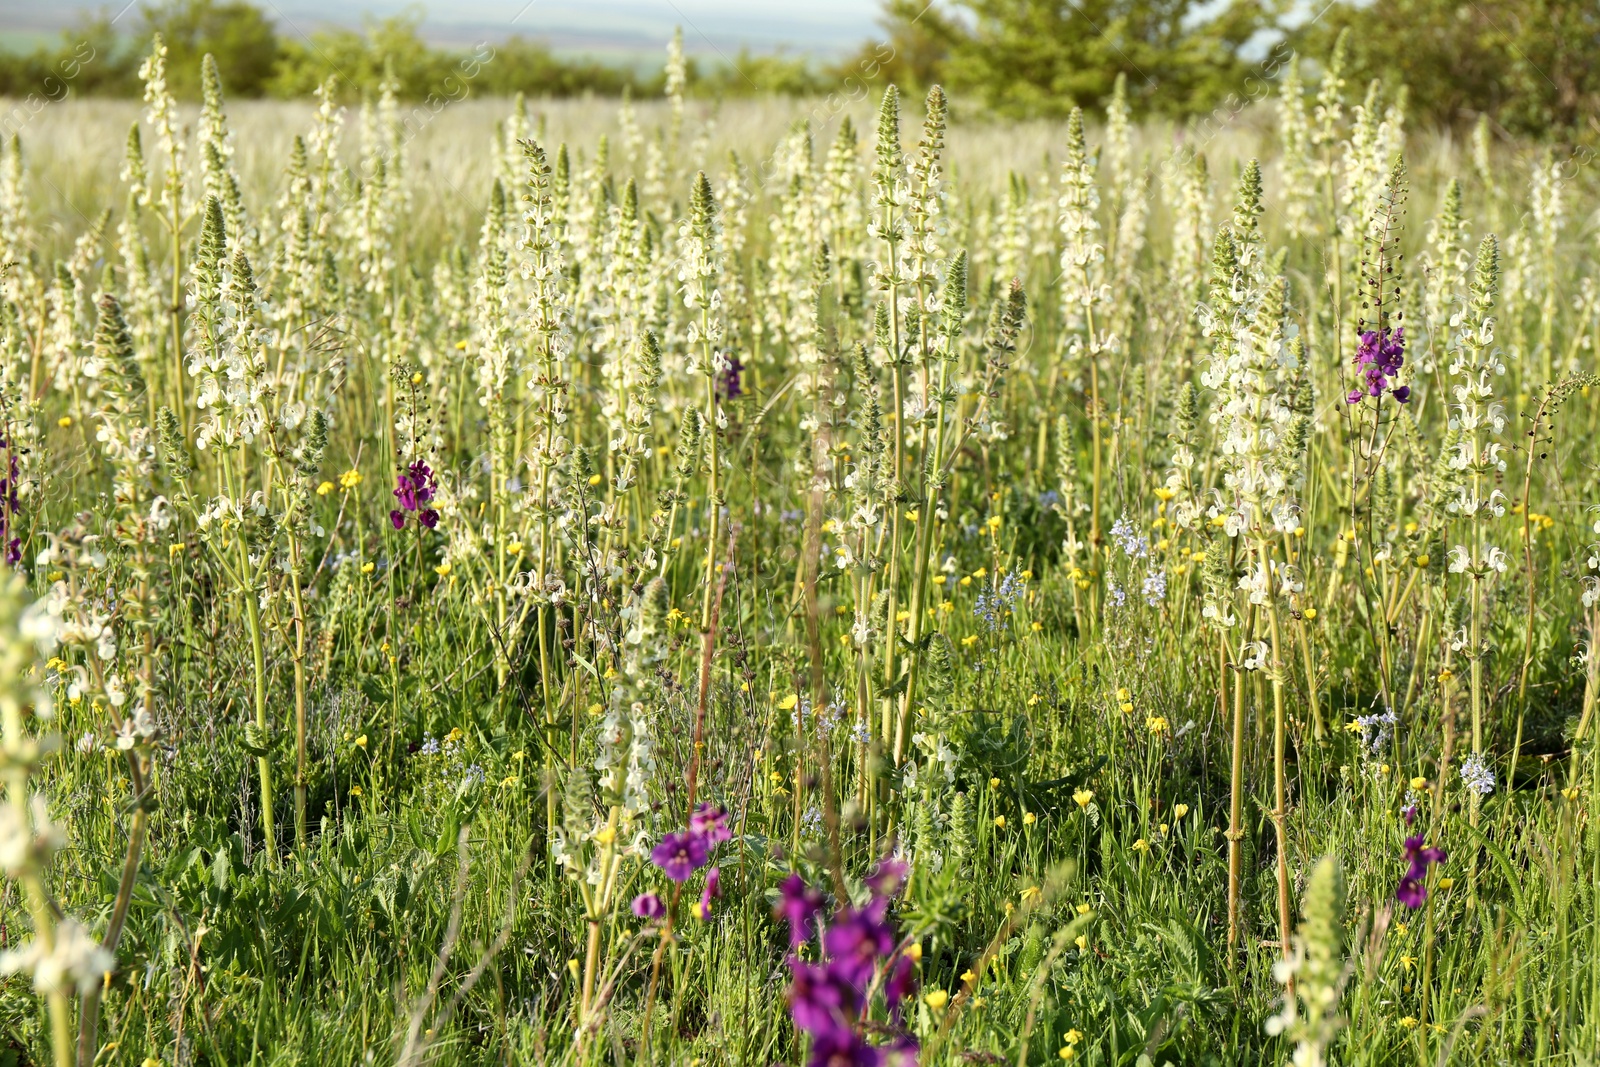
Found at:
[1380, 357]
[901, 984]
[888, 878]
[648, 906]
[414, 490]
[841, 1046]
[1412, 891]
[679, 855]
[712, 891]
[817, 1000]
[710, 823]
[855, 940]
[798, 905]
[732, 384]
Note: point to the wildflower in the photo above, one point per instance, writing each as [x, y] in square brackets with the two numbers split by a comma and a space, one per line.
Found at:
[1082, 797]
[1412, 892]
[1180, 810]
[443, 569]
[798, 905]
[680, 854]
[1029, 818]
[1380, 356]
[1477, 775]
[324, 489]
[75, 960]
[1084, 908]
[1000, 822]
[361, 742]
[1141, 845]
[367, 567]
[712, 890]
[936, 999]
[414, 490]
[711, 824]
[350, 479]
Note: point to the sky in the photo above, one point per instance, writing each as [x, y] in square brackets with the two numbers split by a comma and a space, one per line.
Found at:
[710, 27]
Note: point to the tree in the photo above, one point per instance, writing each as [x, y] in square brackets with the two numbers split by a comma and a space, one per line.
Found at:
[1532, 65]
[1045, 57]
[237, 33]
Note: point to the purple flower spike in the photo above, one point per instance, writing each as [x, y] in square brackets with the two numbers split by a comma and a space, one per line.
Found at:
[816, 1001]
[679, 855]
[798, 905]
[855, 939]
[841, 1046]
[648, 906]
[414, 490]
[1412, 891]
[1380, 357]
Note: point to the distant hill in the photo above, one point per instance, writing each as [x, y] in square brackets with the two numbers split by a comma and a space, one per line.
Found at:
[620, 29]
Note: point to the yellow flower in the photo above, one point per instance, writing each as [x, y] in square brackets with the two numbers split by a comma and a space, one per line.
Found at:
[355, 790]
[1072, 1037]
[176, 549]
[994, 522]
[1082, 942]
[901, 616]
[350, 479]
[514, 548]
[1409, 1022]
[1067, 1052]
[1000, 822]
[936, 999]
[595, 709]
[913, 515]
[1033, 892]
[366, 568]
[461, 346]
[595, 479]
[1445, 675]
[1408, 961]
[1127, 707]
[1084, 908]
[1422, 560]
[1180, 810]
[914, 951]
[443, 569]
[1156, 724]
[970, 640]
[994, 783]
[1036, 626]
[325, 488]
[64, 421]
[361, 742]
[1419, 782]
[1310, 613]
[1571, 792]
[1141, 845]
[1446, 883]
[968, 977]
[606, 835]
[788, 703]
[519, 755]
[1164, 494]
[938, 579]
[966, 580]
[1083, 796]
[508, 781]
[981, 572]
[1029, 818]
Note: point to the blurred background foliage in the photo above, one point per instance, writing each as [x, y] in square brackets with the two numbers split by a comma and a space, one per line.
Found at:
[1528, 65]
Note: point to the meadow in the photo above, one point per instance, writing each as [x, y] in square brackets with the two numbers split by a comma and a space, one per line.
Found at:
[848, 582]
